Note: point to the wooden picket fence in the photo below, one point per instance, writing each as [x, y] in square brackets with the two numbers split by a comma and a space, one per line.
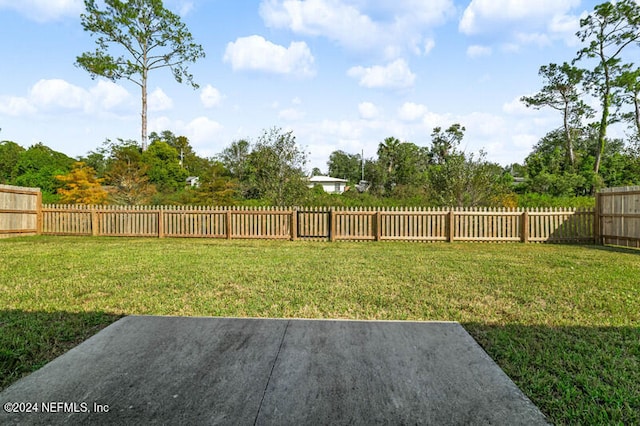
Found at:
[322, 223]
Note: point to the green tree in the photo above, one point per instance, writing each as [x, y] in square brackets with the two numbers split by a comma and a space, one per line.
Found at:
[411, 164]
[164, 170]
[97, 160]
[388, 153]
[467, 182]
[149, 37]
[189, 160]
[401, 163]
[457, 180]
[9, 156]
[127, 174]
[547, 171]
[628, 87]
[445, 142]
[235, 158]
[217, 186]
[561, 92]
[38, 167]
[345, 166]
[608, 30]
[276, 168]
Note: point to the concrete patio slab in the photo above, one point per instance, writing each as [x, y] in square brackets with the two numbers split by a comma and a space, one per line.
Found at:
[175, 370]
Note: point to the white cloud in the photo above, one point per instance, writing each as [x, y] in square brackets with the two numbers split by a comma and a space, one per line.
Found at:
[16, 107]
[210, 96]
[59, 96]
[485, 124]
[109, 95]
[517, 107]
[506, 138]
[368, 110]
[568, 24]
[159, 101]
[291, 114]
[565, 27]
[185, 8]
[524, 140]
[388, 27]
[331, 18]
[482, 15]
[160, 123]
[476, 51]
[434, 119]
[256, 53]
[203, 130]
[429, 44]
[410, 111]
[57, 93]
[44, 10]
[538, 39]
[510, 47]
[395, 75]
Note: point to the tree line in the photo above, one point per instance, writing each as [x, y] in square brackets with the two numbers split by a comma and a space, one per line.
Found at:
[270, 170]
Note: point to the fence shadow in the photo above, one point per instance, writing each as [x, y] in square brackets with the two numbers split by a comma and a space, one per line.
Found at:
[592, 373]
[29, 340]
[615, 249]
[570, 227]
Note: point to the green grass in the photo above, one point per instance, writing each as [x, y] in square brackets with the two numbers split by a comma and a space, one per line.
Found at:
[562, 321]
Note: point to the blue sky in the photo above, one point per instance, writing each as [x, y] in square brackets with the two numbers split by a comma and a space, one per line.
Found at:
[341, 74]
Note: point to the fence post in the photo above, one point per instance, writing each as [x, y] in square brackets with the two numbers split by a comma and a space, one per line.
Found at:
[332, 224]
[452, 225]
[39, 221]
[524, 232]
[597, 219]
[94, 221]
[294, 224]
[378, 225]
[228, 224]
[160, 223]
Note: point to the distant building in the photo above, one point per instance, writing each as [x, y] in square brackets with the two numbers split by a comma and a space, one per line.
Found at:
[363, 186]
[329, 184]
[193, 181]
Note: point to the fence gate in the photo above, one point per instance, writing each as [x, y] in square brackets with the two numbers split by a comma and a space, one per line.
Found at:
[314, 224]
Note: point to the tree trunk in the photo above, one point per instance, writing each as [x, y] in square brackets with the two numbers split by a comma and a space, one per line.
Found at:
[606, 103]
[602, 132]
[144, 110]
[636, 104]
[567, 135]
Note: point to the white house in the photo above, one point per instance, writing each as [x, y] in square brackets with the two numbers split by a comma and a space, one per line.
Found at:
[329, 184]
[193, 181]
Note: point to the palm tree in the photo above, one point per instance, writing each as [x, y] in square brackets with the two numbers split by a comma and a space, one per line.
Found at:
[388, 153]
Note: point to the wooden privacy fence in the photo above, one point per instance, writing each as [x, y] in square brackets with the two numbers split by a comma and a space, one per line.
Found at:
[19, 210]
[323, 224]
[619, 216]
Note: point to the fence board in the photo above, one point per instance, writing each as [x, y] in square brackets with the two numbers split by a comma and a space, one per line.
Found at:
[19, 210]
[619, 216]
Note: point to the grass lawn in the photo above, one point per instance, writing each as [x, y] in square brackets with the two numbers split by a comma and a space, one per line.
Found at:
[562, 321]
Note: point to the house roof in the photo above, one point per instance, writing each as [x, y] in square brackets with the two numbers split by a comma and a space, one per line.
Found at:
[326, 179]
